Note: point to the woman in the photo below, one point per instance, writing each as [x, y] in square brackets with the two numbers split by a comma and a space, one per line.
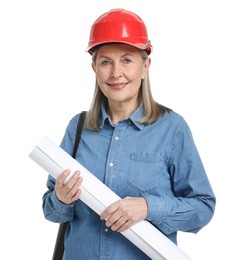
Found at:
[140, 149]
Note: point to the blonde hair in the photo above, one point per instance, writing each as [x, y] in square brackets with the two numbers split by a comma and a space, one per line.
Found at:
[152, 109]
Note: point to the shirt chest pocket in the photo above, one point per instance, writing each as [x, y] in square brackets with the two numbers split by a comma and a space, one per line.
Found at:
[145, 170]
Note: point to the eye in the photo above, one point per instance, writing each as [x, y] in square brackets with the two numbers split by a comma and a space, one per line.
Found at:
[105, 62]
[127, 61]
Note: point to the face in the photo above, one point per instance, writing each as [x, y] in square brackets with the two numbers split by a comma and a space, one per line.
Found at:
[119, 70]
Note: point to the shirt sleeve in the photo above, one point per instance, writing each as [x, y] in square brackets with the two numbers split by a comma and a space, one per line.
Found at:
[193, 203]
[53, 209]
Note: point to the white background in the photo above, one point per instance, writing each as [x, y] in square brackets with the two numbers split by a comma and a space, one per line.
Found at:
[46, 78]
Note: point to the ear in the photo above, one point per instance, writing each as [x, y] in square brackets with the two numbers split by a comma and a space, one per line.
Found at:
[93, 67]
[146, 66]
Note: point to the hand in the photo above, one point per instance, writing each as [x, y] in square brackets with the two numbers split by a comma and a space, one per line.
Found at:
[70, 191]
[124, 213]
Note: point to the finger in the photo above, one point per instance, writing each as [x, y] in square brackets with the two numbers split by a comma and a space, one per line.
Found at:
[74, 193]
[119, 224]
[77, 195]
[70, 184]
[61, 178]
[112, 219]
[109, 210]
[125, 226]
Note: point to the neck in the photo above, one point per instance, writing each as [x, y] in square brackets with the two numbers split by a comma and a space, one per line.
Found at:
[118, 112]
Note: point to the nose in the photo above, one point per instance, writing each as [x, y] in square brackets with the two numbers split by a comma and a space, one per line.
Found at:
[116, 71]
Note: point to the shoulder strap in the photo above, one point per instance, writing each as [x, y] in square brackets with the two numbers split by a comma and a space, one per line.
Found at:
[79, 132]
[59, 244]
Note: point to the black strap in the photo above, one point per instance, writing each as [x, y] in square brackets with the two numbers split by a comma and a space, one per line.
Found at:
[79, 132]
[59, 245]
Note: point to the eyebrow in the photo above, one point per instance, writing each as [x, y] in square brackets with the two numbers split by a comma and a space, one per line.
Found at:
[126, 54]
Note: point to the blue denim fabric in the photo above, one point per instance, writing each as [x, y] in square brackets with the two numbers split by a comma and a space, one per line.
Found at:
[158, 161]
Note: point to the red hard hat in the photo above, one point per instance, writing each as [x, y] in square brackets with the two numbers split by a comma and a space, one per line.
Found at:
[119, 25]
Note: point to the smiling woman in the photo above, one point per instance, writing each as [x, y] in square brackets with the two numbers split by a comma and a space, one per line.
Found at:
[142, 150]
[119, 69]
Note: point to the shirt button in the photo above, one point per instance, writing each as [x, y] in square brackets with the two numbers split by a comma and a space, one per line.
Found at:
[111, 164]
[106, 230]
[116, 138]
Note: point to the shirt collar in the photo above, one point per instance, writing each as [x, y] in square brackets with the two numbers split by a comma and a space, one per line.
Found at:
[134, 117]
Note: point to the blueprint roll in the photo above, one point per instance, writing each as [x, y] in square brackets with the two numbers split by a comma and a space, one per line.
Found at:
[96, 195]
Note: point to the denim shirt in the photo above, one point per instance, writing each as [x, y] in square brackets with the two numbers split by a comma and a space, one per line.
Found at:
[159, 162]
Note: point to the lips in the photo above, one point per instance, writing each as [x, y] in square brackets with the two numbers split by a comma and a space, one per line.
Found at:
[117, 86]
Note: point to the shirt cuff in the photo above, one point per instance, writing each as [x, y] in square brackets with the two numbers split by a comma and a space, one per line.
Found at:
[156, 208]
[61, 207]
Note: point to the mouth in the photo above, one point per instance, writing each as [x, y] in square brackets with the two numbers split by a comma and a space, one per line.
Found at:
[117, 86]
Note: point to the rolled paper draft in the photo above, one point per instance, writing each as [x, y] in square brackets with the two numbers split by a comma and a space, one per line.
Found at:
[98, 196]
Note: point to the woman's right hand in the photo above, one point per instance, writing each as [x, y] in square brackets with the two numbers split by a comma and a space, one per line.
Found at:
[70, 191]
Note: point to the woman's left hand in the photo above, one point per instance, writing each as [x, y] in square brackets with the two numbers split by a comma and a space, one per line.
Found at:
[124, 213]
